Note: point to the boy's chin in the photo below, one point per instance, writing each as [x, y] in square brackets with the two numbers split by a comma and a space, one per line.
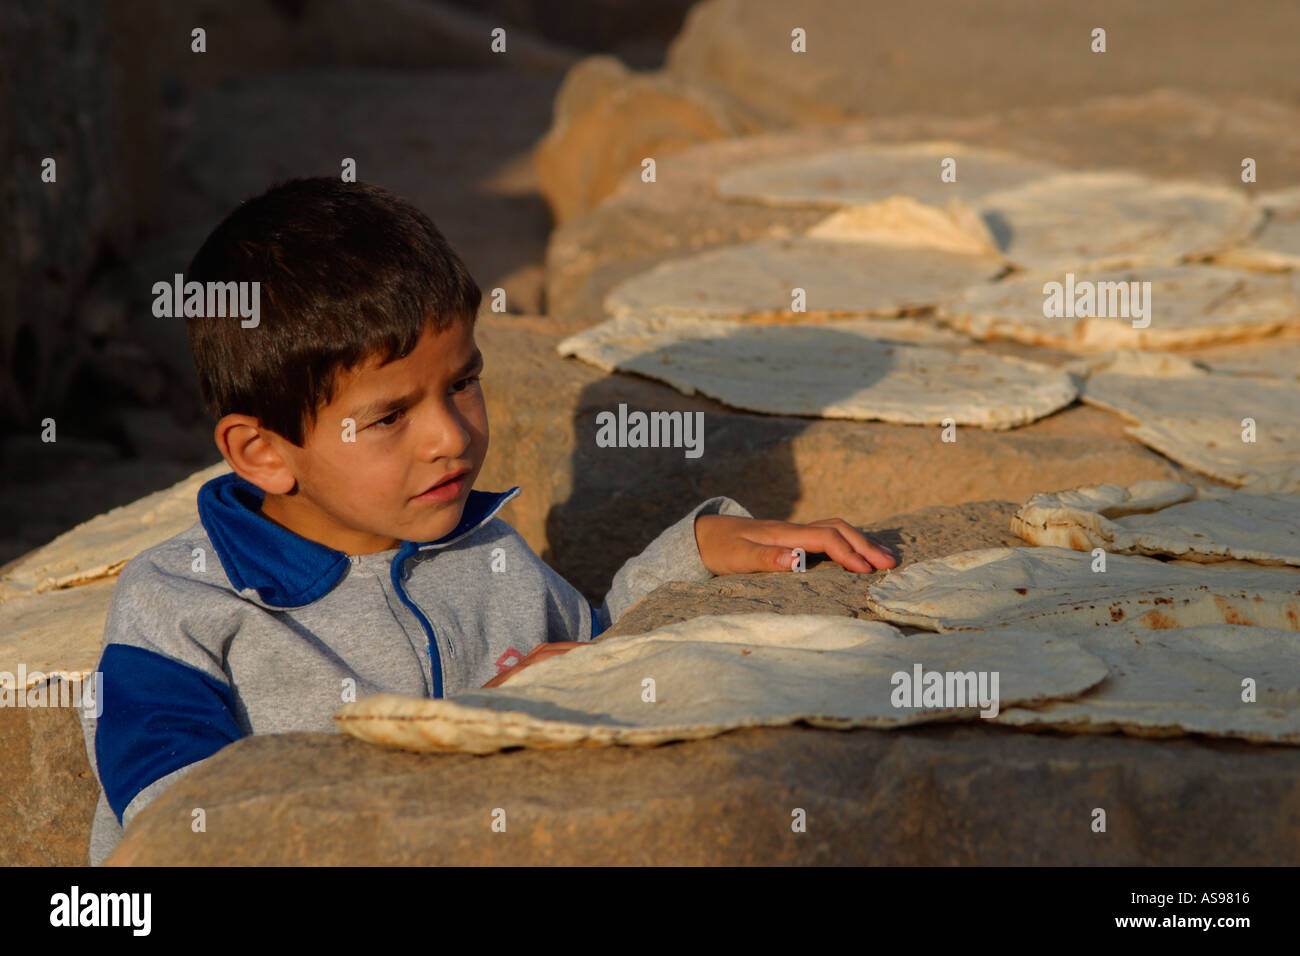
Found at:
[444, 523]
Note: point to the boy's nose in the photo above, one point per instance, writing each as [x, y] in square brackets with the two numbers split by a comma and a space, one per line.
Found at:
[448, 436]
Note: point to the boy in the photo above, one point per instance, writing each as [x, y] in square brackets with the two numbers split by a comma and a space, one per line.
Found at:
[348, 553]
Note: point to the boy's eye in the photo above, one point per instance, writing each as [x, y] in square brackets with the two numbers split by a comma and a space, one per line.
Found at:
[388, 421]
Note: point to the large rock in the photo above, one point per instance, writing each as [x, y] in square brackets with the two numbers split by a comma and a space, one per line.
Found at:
[1164, 134]
[969, 794]
[49, 792]
[608, 120]
[882, 59]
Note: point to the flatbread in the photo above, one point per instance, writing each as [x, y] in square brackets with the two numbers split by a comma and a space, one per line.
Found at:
[1195, 417]
[1114, 219]
[1165, 518]
[830, 371]
[755, 280]
[1275, 357]
[902, 221]
[1277, 243]
[102, 546]
[864, 174]
[1055, 589]
[1184, 305]
[715, 674]
[1183, 681]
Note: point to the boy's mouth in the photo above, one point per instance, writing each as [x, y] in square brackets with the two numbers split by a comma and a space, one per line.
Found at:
[445, 488]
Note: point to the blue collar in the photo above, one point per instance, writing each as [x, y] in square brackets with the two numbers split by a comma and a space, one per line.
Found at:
[284, 569]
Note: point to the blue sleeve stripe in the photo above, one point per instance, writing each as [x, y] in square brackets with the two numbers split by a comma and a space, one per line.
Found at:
[595, 621]
[158, 715]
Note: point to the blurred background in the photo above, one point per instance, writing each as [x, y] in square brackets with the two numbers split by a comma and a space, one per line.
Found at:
[155, 143]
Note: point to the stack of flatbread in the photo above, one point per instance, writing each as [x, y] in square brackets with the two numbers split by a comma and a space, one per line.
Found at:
[1202, 641]
[712, 674]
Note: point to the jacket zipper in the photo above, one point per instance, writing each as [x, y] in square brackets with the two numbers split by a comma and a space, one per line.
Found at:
[399, 560]
[435, 658]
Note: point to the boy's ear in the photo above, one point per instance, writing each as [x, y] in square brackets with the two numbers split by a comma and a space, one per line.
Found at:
[256, 453]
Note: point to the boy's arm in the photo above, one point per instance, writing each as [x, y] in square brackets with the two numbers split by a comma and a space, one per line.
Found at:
[165, 702]
[674, 556]
[160, 717]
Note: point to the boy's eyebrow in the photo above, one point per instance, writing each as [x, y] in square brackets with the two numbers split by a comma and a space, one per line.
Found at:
[474, 364]
[383, 406]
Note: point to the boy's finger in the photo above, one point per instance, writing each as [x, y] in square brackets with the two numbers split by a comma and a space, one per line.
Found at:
[828, 540]
[860, 542]
[846, 556]
[772, 556]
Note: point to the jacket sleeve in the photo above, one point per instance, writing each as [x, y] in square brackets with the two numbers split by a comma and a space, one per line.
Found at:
[165, 703]
[672, 556]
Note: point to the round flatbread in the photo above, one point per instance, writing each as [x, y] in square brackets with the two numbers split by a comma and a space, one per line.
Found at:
[1220, 680]
[1055, 589]
[1151, 308]
[1166, 518]
[1114, 219]
[864, 174]
[1239, 430]
[1277, 243]
[838, 370]
[709, 675]
[757, 281]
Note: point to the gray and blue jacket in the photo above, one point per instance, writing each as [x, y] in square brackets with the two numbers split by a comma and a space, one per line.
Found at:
[238, 626]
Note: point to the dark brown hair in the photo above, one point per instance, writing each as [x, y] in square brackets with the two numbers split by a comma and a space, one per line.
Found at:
[347, 271]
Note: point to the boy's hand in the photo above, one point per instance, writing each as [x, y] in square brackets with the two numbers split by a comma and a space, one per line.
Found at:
[538, 653]
[731, 545]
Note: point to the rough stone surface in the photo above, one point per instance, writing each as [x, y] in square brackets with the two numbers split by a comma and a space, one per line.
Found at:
[48, 796]
[57, 632]
[968, 794]
[827, 588]
[608, 119]
[1165, 134]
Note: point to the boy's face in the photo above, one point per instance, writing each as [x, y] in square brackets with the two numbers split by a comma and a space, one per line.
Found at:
[418, 420]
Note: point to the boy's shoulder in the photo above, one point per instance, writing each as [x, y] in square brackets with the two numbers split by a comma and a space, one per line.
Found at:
[185, 563]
